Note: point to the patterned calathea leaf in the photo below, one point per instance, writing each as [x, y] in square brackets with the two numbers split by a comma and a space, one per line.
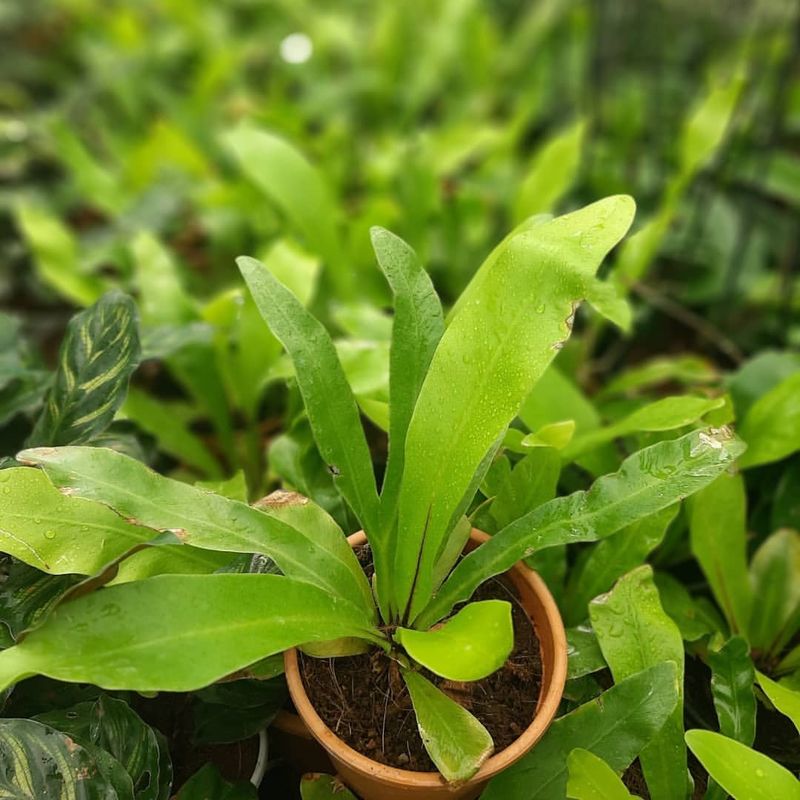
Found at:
[37, 761]
[27, 595]
[110, 726]
[99, 352]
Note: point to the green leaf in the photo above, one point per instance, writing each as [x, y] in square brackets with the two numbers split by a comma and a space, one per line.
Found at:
[467, 647]
[164, 421]
[501, 337]
[599, 566]
[665, 414]
[556, 434]
[718, 530]
[635, 633]
[693, 617]
[323, 787]
[775, 578]
[732, 676]
[179, 632]
[169, 559]
[99, 352]
[58, 533]
[55, 255]
[456, 742]
[38, 762]
[112, 726]
[320, 555]
[418, 327]
[27, 596]
[786, 700]
[208, 784]
[615, 726]
[744, 773]
[551, 172]
[298, 189]
[647, 482]
[771, 427]
[590, 778]
[584, 653]
[690, 370]
[329, 402]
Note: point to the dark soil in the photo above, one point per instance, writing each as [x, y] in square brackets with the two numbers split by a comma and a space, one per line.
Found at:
[364, 701]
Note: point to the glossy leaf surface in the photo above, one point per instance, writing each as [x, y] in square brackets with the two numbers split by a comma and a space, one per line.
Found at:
[590, 778]
[732, 676]
[784, 698]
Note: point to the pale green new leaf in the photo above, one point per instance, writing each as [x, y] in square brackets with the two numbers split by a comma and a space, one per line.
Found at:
[717, 529]
[456, 742]
[328, 399]
[467, 647]
[99, 352]
[785, 699]
[744, 773]
[590, 778]
[615, 726]
[635, 633]
[209, 521]
[506, 329]
[647, 482]
[179, 632]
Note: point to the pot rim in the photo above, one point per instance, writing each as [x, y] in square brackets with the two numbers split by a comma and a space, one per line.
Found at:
[546, 709]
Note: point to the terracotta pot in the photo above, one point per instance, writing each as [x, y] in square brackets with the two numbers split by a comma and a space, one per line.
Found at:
[374, 781]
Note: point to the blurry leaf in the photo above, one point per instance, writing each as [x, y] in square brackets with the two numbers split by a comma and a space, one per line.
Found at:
[635, 633]
[785, 699]
[327, 396]
[600, 565]
[234, 488]
[38, 762]
[500, 334]
[208, 784]
[744, 773]
[717, 527]
[456, 742]
[615, 727]
[771, 427]
[298, 189]
[470, 645]
[688, 614]
[786, 502]
[759, 375]
[323, 787]
[583, 651]
[775, 578]
[363, 321]
[551, 172]
[166, 422]
[162, 298]
[732, 676]
[111, 725]
[590, 778]
[689, 369]
[98, 354]
[55, 256]
[665, 414]
[648, 481]
[130, 636]
[162, 341]
[556, 434]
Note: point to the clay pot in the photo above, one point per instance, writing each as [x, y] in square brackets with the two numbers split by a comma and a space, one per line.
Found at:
[374, 781]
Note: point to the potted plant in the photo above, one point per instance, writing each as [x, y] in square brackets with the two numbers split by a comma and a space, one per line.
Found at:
[454, 389]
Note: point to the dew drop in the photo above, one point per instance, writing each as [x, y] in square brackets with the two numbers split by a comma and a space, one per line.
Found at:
[50, 534]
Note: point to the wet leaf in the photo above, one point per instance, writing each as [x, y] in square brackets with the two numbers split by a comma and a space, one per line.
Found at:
[732, 676]
[456, 742]
[635, 633]
[616, 726]
[472, 644]
[584, 653]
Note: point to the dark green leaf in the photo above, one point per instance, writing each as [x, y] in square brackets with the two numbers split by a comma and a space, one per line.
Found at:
[732, 676]
[208, 784]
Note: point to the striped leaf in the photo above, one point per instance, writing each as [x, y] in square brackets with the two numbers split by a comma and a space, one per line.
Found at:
[99, 352]
[39, 762]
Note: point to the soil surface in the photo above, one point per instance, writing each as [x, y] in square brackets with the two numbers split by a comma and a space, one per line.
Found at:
[364, 701]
